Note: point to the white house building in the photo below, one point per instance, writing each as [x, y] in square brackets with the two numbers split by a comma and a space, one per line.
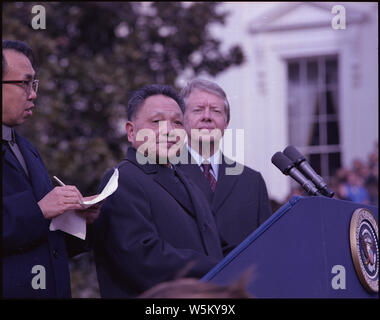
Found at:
[310, 79]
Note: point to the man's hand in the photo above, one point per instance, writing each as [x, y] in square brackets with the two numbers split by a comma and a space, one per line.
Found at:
[60, 200]
[91, 213]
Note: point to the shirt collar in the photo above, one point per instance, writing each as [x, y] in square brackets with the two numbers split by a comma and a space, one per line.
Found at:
[214, 160]
[8, 133]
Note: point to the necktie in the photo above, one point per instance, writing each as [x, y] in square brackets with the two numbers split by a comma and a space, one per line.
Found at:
[16, 151]
[210, 178]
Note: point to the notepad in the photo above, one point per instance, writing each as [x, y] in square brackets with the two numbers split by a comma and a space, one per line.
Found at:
[74, 224]
[109, 189]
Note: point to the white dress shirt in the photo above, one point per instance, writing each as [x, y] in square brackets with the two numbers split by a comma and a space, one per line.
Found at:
[214, 160]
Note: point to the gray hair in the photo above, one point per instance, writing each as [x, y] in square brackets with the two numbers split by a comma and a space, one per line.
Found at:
[209, 86]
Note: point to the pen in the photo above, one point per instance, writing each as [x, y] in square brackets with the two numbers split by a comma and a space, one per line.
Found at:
[62, 184]
[59, 181]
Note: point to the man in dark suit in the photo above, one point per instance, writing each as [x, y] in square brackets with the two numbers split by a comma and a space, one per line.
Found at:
[237, 193]
[157, 224]
[34, 259]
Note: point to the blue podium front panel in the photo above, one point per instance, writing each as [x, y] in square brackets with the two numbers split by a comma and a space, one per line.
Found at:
[301, 251]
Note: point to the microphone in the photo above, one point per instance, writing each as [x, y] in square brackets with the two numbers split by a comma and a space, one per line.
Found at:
[300, 162]
[287, 167]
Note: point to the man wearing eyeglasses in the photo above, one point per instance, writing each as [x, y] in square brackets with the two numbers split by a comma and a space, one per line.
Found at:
[34, 259]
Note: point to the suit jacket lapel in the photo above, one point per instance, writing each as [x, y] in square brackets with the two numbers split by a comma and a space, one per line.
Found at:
[224, 185]
[165, 178]
[10, 159]
[203, 216]
[194, 172]
[38, 176]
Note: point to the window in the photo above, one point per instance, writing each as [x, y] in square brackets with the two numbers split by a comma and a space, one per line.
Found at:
[313, 111]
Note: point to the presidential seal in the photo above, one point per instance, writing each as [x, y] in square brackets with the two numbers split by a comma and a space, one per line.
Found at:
[364, 241]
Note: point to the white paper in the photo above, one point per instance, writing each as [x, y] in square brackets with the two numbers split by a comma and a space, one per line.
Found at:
[109, 189]
[70, 222]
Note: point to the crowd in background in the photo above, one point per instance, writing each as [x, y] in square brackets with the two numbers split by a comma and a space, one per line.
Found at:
[358, 183]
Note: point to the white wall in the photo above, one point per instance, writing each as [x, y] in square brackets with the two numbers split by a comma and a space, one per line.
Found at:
[359, 75]
[257, 89]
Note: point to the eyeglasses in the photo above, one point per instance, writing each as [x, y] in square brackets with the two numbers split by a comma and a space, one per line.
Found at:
[28, 84]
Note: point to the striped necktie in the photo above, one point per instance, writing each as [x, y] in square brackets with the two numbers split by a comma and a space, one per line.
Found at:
[210, 178]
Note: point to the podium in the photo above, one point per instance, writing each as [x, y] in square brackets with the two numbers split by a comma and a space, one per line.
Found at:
[307, 249]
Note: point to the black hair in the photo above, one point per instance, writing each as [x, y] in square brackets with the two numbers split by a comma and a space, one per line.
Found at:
[138, 97]
[18, 46]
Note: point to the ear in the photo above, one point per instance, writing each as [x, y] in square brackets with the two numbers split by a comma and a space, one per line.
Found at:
[226, 125]
[130, 129]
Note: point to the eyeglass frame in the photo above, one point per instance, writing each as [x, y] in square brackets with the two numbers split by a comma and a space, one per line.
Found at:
[31, 84]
